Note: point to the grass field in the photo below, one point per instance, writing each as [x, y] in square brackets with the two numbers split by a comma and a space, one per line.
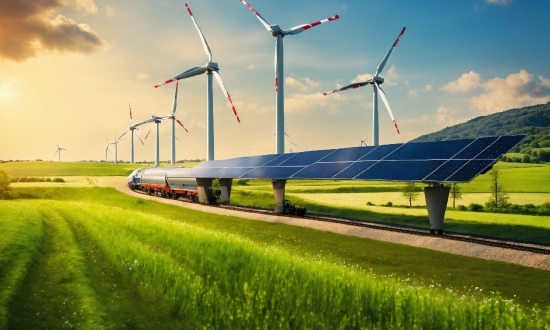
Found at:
[93, 258]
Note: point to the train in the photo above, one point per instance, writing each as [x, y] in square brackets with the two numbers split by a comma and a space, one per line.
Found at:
[169, 182]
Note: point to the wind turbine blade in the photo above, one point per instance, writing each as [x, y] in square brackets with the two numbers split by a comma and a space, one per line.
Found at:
[140, 140]
[120, 137]
[56, 152]
[179, 122]
[220, 82]
[148, 132]
[175, 103]
[383, 63]
[187, 74]
[352, 86]
[262, 20]
[301, 28]
[385, 100]
[129, 107]
[203, 39]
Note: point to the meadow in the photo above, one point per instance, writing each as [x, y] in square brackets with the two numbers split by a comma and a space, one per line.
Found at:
[77, 254]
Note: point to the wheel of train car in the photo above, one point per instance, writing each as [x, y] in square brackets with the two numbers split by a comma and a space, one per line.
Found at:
[149, 191]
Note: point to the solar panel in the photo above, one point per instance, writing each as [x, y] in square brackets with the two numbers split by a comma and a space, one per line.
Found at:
[475, 148]
[381, 152]
[321, 170]
[306, 158]
[354, 170]
[442, 161]
[436, 150]
[272, 172]
[411, 170]
[348, 154]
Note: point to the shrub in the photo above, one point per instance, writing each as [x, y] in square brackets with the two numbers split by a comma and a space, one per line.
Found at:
[389, 204]
[475, 207]
[58, 180]
[526, 159]
[462, 208]
[370, 204]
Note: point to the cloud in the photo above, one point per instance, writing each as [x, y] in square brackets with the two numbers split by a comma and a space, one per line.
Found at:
[499, 2]
[28, 29]
[304, 85]
[361, 78]
[109, 10]
[142, 76]
[428, 87]
[465, 83]
[251, 66]
[304, 103]
[516, 90]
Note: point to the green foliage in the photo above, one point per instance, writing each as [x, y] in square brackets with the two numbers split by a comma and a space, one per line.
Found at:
[411, 192]
[105, 267]
[475, 207]
[52, 169]
[388, 204]
[455, 192]
[4, 184]
[499, 198]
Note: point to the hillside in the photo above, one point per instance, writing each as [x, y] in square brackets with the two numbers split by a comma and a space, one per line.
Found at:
[532, 120]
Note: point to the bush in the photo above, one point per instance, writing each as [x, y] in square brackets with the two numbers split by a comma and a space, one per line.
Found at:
[389, 204]
[462, 208]
[526, 159]
[475, 207]
[58, 180]
[370, 204]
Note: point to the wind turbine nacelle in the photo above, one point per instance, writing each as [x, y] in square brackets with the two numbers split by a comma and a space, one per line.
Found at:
[275, 30]
[212, 66]
[378, 80]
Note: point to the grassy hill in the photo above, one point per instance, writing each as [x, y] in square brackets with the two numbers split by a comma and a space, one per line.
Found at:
[532, 120]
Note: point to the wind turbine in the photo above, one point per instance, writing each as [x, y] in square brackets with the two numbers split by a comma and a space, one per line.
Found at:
[174, 120]
[362, 142]
[156, 120]
[106, 150]
[376, 81]
[278, 33]
[211, 68]
[58, 151]
[132, 128]
[116, 141]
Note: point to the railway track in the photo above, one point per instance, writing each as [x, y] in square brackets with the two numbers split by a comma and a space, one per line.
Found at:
[543, 249]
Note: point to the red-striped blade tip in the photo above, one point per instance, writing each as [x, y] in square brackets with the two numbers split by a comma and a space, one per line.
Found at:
[399, 36]
[397, 128]
[188, 10]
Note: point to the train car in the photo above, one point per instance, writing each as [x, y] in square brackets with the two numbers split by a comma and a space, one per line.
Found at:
[155, 180]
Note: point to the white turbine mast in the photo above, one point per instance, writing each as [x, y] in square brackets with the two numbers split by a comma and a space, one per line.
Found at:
[278, 33]
[115, 142]
[376, 81]
[106, 150]
[211, 68]
[132, 128]
[58, 152]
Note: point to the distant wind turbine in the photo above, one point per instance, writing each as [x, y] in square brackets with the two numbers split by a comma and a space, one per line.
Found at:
[116, 141]
[278, 33]
[58, 152]
[376, 81]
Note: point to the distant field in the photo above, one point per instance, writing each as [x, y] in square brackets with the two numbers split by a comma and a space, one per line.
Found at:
[62, 169]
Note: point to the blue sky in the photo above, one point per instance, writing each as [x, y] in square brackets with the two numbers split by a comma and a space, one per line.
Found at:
[457, 60]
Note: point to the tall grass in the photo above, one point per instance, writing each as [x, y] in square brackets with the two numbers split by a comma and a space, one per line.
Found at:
[217, 280]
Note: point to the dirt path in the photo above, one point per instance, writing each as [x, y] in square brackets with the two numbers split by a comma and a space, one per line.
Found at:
[528, 259]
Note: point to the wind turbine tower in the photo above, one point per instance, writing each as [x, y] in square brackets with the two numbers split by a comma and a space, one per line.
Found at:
[278, 33]
[376, 81]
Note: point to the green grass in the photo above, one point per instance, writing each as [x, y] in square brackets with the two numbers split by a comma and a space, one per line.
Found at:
[106, 266]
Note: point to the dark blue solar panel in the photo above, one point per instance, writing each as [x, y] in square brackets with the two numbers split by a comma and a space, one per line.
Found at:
[475, 148]
[280, 159]
[348, 154]
[221, 163]
[257, 160]
[232, 172]
[321, 170]
[306, 158]
[445, 170]
[470, 170]
[414, 170]
[354, 170]
[381, 152]
[501, 146]
[204, 172]
[272, 172]
[429, 150]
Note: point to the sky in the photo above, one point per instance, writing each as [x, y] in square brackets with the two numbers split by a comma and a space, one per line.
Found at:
[69, 69]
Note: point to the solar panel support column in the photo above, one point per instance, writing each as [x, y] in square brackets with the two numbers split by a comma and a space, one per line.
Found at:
[225, 187]
[279, 193]
[437, 197]
[204, 186]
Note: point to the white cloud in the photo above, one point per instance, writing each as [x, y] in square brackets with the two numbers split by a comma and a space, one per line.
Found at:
[251, 66]
[109, 10]
[516, 90]
[142, 76]
[428, 87]
[304, 85]
[465, 83]
[413, 92]
[391, 77]
[87, 6]
[362, 77]
[304, 103]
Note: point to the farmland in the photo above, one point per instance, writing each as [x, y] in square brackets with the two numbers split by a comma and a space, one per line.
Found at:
[81, 255]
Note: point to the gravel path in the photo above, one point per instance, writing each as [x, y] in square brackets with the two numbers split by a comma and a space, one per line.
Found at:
[528, 259]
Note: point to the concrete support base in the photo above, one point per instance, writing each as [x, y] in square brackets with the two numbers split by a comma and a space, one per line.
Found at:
[225, 187]
[279, 193]
[204, 186]
[436, 202]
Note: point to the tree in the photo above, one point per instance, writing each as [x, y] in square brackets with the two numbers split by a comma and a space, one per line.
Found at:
[499, 198]
[455, 193]
[410, 191]
[4, 184]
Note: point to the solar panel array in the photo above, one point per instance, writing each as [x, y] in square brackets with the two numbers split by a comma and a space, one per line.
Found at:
[442, 161]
